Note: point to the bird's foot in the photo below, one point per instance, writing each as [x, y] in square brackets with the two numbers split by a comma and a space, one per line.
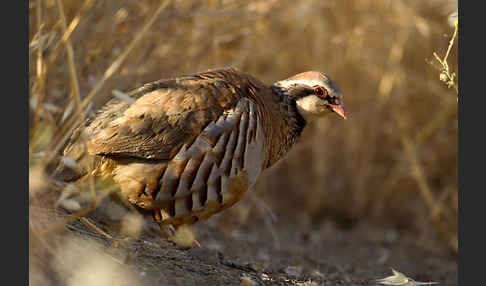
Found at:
[183, 236]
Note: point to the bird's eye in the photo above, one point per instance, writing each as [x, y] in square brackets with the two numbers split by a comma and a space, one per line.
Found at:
[320, 92]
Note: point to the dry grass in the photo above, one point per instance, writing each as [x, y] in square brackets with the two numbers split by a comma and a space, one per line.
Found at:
[400, 138]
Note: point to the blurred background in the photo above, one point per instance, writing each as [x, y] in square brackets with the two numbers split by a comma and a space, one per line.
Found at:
[393, 163]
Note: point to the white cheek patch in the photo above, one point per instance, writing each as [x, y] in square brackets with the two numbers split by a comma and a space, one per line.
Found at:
[309, 103]
[310, 107]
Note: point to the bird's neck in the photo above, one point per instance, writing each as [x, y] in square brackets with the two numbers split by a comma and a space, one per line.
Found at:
[291, 124]
[289, 106]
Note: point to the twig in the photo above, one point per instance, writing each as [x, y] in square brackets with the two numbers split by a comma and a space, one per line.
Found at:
[446, 76]
[451, 42]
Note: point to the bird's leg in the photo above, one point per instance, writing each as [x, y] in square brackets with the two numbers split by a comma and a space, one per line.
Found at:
[169, 229]
[196, 243]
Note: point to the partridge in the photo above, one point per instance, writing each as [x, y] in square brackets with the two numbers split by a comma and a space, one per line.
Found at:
[188, 147]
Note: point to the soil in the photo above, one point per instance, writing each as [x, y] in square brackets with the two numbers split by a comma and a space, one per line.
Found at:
[286, 252]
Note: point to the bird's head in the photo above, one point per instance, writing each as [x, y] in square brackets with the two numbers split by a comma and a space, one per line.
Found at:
[315, 94]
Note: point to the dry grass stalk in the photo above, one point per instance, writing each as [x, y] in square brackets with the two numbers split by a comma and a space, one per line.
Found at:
[433, 125]
[40, 72]
[43, 66]
[70, 56]
[67, 32]
[434, 207]
[94, 228]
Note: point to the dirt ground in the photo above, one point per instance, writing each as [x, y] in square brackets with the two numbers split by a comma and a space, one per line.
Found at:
[285, 252]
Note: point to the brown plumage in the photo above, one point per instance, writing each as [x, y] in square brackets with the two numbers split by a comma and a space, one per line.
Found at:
[191, 146]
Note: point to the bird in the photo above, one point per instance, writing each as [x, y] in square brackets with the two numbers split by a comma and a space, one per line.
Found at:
[185, 148]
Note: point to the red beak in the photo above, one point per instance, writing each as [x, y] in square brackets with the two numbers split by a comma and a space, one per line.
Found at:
[339, 109]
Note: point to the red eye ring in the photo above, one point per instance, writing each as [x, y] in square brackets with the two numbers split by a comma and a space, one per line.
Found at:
[320, 91]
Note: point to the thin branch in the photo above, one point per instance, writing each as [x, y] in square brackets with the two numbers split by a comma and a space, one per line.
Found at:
[446, 76]
[451, 42]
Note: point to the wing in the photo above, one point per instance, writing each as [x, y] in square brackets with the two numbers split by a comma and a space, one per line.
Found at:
[166, 114]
